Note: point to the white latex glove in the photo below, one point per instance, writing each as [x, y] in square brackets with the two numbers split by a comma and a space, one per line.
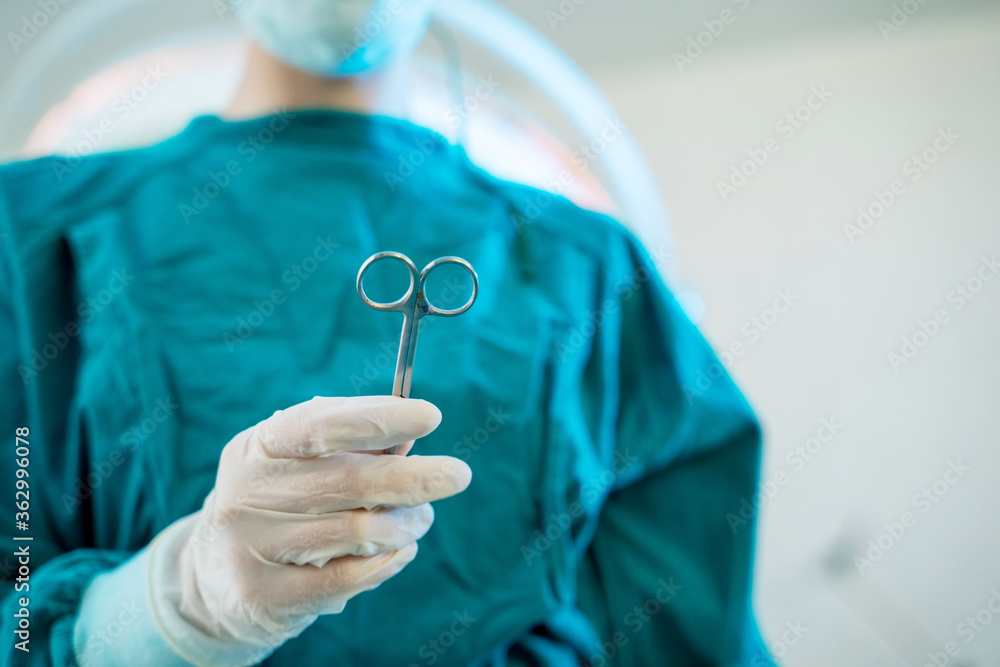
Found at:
[299, 522]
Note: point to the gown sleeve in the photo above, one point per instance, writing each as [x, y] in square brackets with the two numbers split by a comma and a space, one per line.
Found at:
[667, 577]
[42, 588]
[65, 600]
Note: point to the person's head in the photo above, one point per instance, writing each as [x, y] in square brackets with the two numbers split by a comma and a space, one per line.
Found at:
[335, 38]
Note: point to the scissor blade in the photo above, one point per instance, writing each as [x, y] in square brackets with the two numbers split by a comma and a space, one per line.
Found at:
[411, 349]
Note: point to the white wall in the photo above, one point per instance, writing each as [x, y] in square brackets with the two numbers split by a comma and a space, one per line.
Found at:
[827, 356]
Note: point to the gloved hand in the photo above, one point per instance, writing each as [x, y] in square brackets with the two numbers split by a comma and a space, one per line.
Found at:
[300, 521]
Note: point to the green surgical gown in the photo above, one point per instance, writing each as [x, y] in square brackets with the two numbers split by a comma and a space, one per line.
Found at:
[156, 302]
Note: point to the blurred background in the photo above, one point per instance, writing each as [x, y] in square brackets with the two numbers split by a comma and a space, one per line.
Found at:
[829, 173]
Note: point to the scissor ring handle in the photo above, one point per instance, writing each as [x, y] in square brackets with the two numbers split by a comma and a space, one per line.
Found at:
[441, 312]
[395, 305]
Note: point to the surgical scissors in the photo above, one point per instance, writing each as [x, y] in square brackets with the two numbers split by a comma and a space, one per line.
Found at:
[414, 305]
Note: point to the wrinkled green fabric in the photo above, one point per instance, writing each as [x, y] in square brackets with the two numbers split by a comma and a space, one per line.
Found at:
[156, 302]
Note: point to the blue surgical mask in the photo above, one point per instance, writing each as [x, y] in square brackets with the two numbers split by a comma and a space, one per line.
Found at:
[335, 38]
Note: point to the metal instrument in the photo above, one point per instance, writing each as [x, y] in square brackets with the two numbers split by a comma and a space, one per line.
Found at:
[414, 305]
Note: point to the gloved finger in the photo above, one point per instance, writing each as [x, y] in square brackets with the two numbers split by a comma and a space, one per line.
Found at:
[305, 589]
[323, 425]
[401, 450]
[404, 448]
[348, 481]
[317, 539]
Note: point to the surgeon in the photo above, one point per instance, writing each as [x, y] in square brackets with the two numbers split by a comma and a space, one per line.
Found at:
[200, 399]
